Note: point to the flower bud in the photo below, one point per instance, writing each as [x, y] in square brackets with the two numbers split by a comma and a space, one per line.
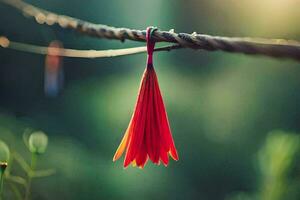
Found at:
[4, 156]
[38, 142]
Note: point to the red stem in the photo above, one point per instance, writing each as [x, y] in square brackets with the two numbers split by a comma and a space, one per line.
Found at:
[150, 47]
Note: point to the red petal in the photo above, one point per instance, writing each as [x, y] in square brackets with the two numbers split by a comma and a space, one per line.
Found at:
[166, 132]
[164, 156]
[139, 119]
[141, 157]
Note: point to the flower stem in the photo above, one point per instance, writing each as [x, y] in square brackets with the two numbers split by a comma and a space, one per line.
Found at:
[3, 166]
[1, 183]
[30, 175]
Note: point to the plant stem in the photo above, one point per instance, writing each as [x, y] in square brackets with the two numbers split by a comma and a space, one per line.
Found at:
[15, 191]
[1, 183]
[30, 175]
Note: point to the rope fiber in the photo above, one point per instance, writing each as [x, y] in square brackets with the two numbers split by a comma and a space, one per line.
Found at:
[278, 48]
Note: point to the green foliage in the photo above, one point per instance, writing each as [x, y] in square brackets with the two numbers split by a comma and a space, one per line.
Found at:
[276, 159]
[4, 157]
[277, 155]
[36, 144]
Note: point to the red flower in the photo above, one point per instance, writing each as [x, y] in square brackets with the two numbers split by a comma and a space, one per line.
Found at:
[148, 134]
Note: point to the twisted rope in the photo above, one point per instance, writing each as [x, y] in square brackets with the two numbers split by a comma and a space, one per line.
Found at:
[278, 48]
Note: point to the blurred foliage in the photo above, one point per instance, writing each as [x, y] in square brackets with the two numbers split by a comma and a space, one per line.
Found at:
[220, 106]
[278, 168]
[276, 159]
[19, 185]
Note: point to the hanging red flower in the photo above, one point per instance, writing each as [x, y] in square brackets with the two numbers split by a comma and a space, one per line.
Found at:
[148, 134]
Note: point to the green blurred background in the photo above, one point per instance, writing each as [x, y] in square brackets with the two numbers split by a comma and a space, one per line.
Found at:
[220, 106]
